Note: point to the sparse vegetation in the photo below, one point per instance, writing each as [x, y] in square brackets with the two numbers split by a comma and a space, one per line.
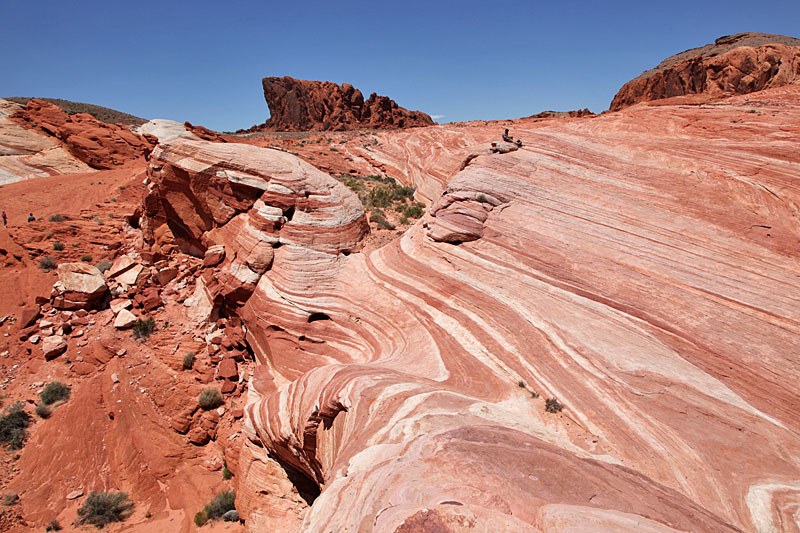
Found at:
[86, 258]
[210, 398]
[481, 198]
[552, 405]
[47, 263]
[102, 508]
[13, 424]
[142, 329]
[11, 498]
[521, 384]
[48, 234]
[226, 473]
[54, 392]
[103, 265]
[57, 218]
[43, 411]
[222, 503]
[122, 187]
[97, 220]
[415, 210]
[188, 361]
[53, 525]
[404, 220]
[58, 246]
[379, 217]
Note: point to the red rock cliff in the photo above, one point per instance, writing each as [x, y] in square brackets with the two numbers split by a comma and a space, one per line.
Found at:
[301, 105]
[740, 64]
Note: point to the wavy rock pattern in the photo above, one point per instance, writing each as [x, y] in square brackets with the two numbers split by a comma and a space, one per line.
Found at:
[641, 267]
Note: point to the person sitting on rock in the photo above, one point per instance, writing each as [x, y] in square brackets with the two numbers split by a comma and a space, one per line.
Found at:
[509, 139]
[31, 218]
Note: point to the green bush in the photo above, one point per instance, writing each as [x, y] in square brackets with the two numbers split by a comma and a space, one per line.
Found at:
[97, 220]
[404, 220]
[103, 265]
[188, 361]
[86, 258]
[226, 473]
[415, 210]
[48, 234]
[53, 525]
[102, 508]
[10, 499]
[47, 263]
[54, 392]
[142, 329]
[200, 519]
[552, 405]
[222, 503]
[13, 426]
[58, 246]
[210, 398]
[57, 218]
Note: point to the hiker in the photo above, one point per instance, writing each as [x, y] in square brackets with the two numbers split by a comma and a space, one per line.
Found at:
[31, 218]
[5, 220]
[509, 139]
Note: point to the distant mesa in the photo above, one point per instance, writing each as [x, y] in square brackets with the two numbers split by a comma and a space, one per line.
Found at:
[738, 64]
[302, 105]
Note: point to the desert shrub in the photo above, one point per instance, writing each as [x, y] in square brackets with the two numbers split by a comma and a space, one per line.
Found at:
[414, 210]
[97, 220]
[53, 525]
[385, 224]
[222, 503]
[57, 218]
[102, 508]
[481, 198]
[58, 246]
[226, 473]
[210, 398]
[103, 265]
[332, 149]
[86, 258]
[404, 220]
[54, 392]
[552, 405]
[200, 519]
[381, 196]
[142, 329]
[122, 187]
[11, 498]
[521, 384]
[13, 426]
[48, 234]
[188, 361]
[47, 263]
[44, 411]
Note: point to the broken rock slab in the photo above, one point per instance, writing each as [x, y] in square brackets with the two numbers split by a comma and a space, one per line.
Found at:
[125, 319]
[53, 346]
[214, 255]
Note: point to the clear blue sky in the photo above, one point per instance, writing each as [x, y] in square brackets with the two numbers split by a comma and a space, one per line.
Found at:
[203, 61]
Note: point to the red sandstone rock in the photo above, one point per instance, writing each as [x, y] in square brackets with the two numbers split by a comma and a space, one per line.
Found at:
[53, 346]
[28, 316]
[204, 133]
[227, 369]
[79, 286]
[98, 144]
[740, 64]
[301, 105]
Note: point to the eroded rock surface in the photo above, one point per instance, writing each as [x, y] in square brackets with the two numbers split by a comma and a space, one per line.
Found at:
[740, 64]
[302, 105]
[639, 267]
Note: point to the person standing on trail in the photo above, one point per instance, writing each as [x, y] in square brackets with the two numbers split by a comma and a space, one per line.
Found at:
[5, 220]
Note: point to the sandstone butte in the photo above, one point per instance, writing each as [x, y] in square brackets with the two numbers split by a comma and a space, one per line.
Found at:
[639, 267]
[738, 64]
[302, 105]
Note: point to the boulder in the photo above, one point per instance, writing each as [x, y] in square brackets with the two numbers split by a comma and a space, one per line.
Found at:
[120, 304]
[79, 286]
[121, 265]
[228, 370]
[214, 255]
[53, 346]
[125, 319]
[133, 276]
[28, 316]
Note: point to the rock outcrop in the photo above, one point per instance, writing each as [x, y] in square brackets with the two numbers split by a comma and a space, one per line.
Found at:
[737, 64]
[301, 105]
[79, 286]
[97, 144]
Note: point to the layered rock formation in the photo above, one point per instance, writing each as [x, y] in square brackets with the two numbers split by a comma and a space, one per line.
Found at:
[740, 64]
[582, 333]
[301, 105]
[98, 144]
[26, 153]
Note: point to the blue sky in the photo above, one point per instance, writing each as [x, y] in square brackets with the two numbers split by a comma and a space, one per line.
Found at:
[465, 60]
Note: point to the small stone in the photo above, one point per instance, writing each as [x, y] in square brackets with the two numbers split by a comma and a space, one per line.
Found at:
[125, 319]
[75, 494]
[121, 352]
[53, 346]
[34, 339]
